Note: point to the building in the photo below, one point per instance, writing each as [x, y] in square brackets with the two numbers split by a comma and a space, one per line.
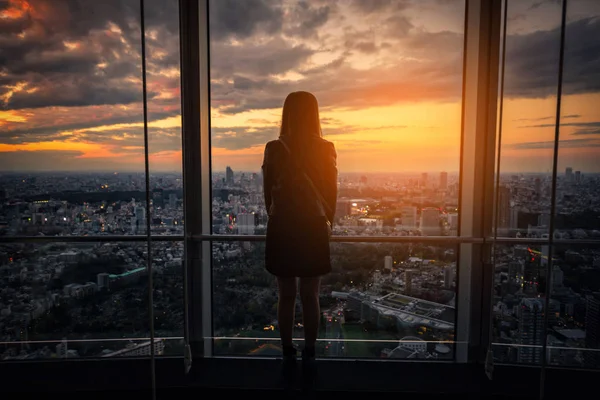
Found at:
[409, 217]
[577, 176]
[453, 221]
[504, 214]
[544, 220]
[173, 200]
[569, 174]
[531, 330]
[591, 357]
[229, 175]
[388, 263]
[443, 180]
[423, 182]
[103, 281]
[557, 277]
[158, 198]
[342, 208]
[245, 224]
[515, 272]
[448, 276]
[140, 215]
[408, 278]
[430, 221]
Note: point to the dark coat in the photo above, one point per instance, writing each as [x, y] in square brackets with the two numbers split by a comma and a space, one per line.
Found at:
[297, 240]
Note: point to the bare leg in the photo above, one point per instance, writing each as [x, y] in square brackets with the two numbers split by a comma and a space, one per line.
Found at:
[286, 308]
[309, 294]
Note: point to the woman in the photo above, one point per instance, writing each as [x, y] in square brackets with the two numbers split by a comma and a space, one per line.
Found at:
[300, 188]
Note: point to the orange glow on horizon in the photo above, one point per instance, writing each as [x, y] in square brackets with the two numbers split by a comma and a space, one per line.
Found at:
[17, 9]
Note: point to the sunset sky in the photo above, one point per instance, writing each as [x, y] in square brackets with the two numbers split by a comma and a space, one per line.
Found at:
[387, 75]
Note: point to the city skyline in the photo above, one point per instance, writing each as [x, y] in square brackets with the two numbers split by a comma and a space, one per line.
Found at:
[388, 83]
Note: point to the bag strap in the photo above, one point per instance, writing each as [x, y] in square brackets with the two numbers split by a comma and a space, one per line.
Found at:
[322, 203]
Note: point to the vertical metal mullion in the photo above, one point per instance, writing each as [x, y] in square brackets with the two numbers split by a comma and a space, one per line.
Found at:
[489, 310]
[148, 213]
[549, 264]
[482, 33]
[206, 173]
[189, 26]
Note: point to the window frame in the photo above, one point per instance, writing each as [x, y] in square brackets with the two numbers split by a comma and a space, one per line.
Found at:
[480, 85]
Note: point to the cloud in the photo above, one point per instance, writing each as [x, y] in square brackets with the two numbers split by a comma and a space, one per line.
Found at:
[241, 19]
[587, 132]
[573, 143]
[532, 61]
[77, 53]
[377, 6]
[52, 124]
[398, 25]
[538, 4]
[595, 124]
[548, 117]
[304, 21]
[242, 137]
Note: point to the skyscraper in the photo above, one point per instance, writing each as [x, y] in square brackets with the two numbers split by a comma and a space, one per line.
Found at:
[443, 180]
[569, 174]
[409, 217]
[140, 215]
[423, 182]
[503, 207]
[531, 330]
[229, 175]
[430, 221]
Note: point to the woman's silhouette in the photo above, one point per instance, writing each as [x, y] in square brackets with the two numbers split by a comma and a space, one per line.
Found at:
[300, 188]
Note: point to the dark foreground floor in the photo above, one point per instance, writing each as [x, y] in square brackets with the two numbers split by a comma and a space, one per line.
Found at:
[259, 378]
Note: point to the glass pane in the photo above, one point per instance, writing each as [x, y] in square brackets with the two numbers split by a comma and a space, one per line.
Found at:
[164, 116]
[578, 202]
[574, 331]
[72, 139]
[70, 300]
[387, 76]
[381, 301]
[519, 303]
[169, 307]
[529, 116]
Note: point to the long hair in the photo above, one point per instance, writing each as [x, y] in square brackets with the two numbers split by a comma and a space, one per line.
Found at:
[300, 117]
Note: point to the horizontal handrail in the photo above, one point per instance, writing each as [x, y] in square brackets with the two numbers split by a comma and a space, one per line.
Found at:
[334, 238]
[349, 239]
[94, 238]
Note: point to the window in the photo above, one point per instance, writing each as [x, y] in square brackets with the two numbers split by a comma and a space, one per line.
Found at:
[388, 78]
[545, 287]
[74, 199]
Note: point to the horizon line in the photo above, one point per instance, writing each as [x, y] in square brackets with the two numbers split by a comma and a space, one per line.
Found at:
[259, 171]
